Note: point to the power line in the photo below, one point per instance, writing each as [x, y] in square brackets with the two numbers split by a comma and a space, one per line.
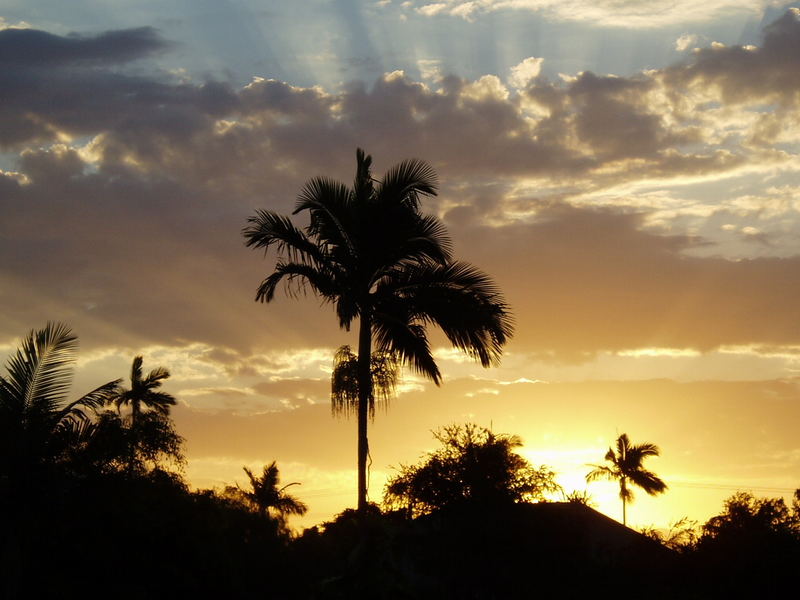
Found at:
[325, 494]
[720, 486]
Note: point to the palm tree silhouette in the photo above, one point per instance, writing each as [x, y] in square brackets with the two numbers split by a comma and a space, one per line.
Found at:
[344, 380]
[144, 392]
[37, 425]
[267, 496]
[370, 253]
[626, 466]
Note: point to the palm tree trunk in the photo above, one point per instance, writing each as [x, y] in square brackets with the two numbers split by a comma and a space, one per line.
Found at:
[135, 408]
[364, 393]
[624, 493]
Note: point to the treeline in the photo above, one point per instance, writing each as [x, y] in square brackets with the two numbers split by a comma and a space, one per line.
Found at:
[92, 501]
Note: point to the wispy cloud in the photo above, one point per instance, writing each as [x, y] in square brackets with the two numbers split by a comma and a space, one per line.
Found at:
[609, 13]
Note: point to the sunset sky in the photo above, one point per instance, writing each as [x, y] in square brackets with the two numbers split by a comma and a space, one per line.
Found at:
[628, 172]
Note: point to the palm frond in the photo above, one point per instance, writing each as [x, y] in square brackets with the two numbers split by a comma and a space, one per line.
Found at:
[406, 181]
[39, 374]
[648, 481]
[408, 239]
[347, 309]
[344, 382]
[268, 228]
[160, 402]
[384, 369]
[430, 241]
[155, 377]
[461, 300]
[77, 430]
[289, 505]
[363, 187]
[641, 451]
[95, 399]
[136, 370]
[623, 444]
[395, 331]
[329, 204]
[298, 276]
[601, 472]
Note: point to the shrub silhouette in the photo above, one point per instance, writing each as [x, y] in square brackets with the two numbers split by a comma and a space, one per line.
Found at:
[474, 466]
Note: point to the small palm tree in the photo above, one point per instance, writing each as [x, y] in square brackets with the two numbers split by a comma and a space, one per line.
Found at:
[37, 424]
[626, 466]
[144, 392]
[270, 499]
[385, 369]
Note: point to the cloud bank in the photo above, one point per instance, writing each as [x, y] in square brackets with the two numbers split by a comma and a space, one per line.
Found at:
[123, 207]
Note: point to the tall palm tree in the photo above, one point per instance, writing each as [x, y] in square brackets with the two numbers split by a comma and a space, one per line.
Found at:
[370, 253]
[626, 466]
[266, 494]
[37, 424]
[144, 392]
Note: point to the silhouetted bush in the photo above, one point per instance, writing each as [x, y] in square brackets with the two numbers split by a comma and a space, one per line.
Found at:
[473, 465]
[751, 549]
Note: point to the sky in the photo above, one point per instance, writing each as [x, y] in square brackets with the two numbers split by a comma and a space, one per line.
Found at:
[627, 172]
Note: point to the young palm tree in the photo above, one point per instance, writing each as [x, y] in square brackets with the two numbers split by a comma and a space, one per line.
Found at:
[266, 494]
[37, 424]
[144, 392]
[369, 252]
[384, 368]
[626, 466]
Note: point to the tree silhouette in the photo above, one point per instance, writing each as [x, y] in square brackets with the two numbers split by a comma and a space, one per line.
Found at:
[344, 380]
[37, 425]
[746, 518]
[473, 465]
[144, 392]
[268, 497]
[626, 466]
[118, 446]
[369, 252]
[751, 549]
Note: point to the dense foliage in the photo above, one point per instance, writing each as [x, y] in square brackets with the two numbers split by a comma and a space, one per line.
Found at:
[92, 502]
[90, 496]
[473, 465]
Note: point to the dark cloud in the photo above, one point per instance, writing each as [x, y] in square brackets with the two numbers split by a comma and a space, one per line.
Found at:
[770, 72]
[583, 280]
[31, 47]
[212, 131]
[612, 117]
[137, 236]
[52, 85]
